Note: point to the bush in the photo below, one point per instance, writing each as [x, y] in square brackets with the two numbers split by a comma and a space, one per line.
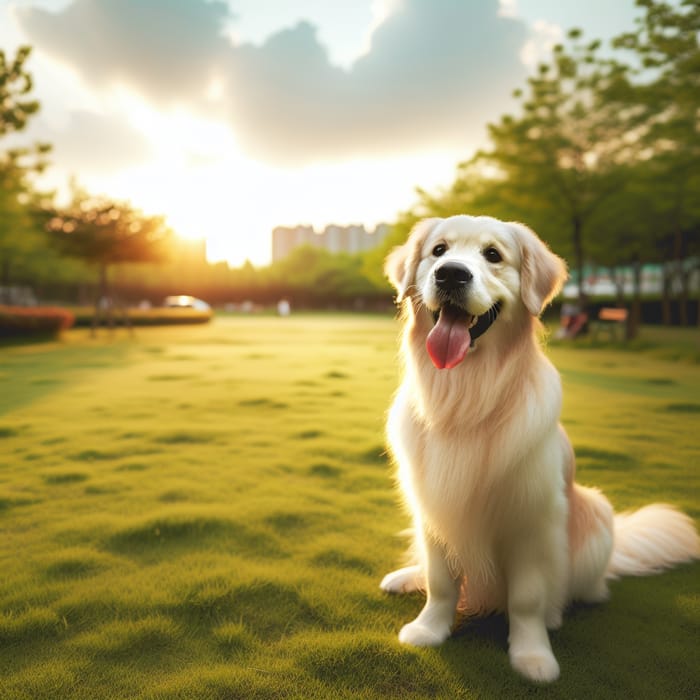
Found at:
[19, 321]
[158, 316]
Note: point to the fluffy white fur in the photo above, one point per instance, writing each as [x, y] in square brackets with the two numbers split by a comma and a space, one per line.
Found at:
[485, 468]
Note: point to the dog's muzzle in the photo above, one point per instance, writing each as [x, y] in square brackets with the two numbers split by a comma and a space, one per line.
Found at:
[455, 331]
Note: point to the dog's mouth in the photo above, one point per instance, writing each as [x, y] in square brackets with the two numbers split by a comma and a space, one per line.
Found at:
[454, 332]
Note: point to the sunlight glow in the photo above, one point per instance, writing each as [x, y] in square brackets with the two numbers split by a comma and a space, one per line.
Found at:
[207, 188]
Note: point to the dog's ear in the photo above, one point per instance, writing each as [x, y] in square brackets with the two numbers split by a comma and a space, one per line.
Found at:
[542, 273]
[401, 264]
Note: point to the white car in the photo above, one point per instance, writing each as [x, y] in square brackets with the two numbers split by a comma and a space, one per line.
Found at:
[184, 301]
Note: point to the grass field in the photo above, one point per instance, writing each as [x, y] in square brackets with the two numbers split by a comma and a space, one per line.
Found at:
[206, 512]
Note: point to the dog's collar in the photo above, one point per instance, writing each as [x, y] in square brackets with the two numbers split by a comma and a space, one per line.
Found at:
[483, 322]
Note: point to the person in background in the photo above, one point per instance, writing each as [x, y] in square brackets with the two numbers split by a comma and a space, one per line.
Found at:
[574, 319]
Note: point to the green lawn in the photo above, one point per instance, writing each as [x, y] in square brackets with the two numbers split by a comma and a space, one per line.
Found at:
[206, 512]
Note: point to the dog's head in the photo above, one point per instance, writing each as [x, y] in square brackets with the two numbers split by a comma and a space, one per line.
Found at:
[469, 273]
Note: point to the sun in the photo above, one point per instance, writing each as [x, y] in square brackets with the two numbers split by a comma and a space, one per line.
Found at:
[208, 187]
[198, 178]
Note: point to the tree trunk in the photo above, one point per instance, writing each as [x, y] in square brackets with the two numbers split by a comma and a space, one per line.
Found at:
[635, 315]
[103, 302]
[684, 297]
[683, 309]
[619, 282]
[578, 256]
[680, 276]
[666, 294]
[5, 273]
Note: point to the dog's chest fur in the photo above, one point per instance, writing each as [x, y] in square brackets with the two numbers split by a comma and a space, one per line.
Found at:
[467, 437]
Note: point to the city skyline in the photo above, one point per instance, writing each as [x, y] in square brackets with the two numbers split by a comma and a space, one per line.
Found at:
[351, 239]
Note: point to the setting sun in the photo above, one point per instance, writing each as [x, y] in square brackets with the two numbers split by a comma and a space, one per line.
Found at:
[198, 177]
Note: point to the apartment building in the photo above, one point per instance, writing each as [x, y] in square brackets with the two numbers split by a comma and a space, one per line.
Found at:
[334, 238]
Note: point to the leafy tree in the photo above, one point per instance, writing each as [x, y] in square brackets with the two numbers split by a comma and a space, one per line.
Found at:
[664, 89]
[562, 157]
[15, 84]
[20, 234]
[103, 233]
[311, 275]
[565, 153]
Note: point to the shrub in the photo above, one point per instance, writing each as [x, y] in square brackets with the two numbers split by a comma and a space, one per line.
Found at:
[158, 316]
[18, 321]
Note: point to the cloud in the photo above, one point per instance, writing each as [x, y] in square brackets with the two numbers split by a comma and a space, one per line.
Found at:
[98, 142]
[163, 48]
[434, 73]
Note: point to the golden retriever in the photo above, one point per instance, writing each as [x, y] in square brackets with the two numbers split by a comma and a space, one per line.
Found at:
[485, 468]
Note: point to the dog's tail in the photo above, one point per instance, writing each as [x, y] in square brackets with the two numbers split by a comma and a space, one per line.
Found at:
[651, 539]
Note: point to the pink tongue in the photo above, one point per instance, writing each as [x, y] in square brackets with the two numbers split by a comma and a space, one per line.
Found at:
[449, 341]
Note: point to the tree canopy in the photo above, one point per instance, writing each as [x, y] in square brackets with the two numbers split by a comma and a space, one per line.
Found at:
[20, 234]
[104, 232]
[602, 154]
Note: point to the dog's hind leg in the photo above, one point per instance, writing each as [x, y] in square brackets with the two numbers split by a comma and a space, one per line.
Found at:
[405, 580]
[590, 542]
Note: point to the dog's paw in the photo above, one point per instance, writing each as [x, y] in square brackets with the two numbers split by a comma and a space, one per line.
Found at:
[597, 593]
[539, 666]
[405, 580]
[418, 635]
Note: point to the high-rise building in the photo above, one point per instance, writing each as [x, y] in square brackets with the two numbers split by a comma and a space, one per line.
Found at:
[285, 240]
[334, 238]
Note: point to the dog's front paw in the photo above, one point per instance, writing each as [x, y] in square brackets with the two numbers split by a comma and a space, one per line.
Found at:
[417, 635]
[539, 666]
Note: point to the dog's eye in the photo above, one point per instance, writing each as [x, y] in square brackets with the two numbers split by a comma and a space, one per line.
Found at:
[439, 249]
[492, 255]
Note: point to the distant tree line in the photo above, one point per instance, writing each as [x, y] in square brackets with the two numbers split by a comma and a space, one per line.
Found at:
[601, 157]
[308, 278]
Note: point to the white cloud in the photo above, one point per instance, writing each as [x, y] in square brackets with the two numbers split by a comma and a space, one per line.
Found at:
[508, 8]
[435, 71]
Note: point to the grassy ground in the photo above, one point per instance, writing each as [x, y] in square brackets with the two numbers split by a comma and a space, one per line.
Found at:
[206, 512]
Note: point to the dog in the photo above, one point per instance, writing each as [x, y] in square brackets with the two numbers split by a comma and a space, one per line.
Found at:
[485, 468]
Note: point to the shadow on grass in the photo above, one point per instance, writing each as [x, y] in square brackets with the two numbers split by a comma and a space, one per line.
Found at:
[49, 367]
[169, 534]
[595, 458]
[682, 408]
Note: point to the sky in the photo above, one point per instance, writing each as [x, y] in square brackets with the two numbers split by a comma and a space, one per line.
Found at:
[231, 117]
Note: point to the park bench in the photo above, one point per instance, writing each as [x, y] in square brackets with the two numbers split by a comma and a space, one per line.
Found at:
[611, 320]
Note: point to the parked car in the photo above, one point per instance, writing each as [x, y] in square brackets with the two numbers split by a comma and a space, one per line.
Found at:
[184, 301]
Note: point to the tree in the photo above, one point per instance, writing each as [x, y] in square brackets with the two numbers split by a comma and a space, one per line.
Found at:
[311, 275]
[567, 150]
[19, 233]
[103, 232]
[664, 88]
[15, 84]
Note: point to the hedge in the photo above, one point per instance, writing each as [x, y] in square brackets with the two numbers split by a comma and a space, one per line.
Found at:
[19, 321]
[157, 316]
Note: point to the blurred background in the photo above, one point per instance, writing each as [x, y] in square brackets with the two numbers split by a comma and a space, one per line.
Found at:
[235, 154]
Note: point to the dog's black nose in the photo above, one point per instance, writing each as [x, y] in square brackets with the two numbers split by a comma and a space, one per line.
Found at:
[452, 275]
